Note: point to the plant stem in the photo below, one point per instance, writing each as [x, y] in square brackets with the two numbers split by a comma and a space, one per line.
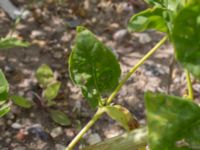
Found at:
[96, 116]
[100, 111]
[189, 85]
[141, 62]
[133, 140]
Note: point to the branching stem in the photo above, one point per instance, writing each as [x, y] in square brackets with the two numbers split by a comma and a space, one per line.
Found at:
[96, 116]
[100, 111]
[141, 62]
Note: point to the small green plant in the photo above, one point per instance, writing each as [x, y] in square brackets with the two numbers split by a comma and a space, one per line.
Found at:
[46, 79]
[51, 86]
[48, 83]
[6, 43]
[173, 122]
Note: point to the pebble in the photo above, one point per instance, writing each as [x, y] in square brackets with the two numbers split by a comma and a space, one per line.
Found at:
[9, 122]
[60, 147]
[120, 35]
[69, 133]
[144, 38]
[20, 148]
[36, 33]
[93, 139]
[8, 140]
[16, 125]
[57, 55]
[7, 134]
[56, 132]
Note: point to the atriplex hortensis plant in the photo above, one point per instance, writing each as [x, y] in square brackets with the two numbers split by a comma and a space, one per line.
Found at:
[173, 122]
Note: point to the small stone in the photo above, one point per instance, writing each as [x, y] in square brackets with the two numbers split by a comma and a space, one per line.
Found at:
[56, 132]
[8, 140]
[36, 33]
[60, 147]
[32, 115]
[16, 125]
[20, 136]
[144, 38]
[57, 55]
[2, 122]
[9, 122]
[120, 35]
[11, 116]
[7, 134]
[20, 148]
[93, 139]
[69, 133]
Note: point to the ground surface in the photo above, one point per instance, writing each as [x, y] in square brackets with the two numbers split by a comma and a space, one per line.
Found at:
[51, 30]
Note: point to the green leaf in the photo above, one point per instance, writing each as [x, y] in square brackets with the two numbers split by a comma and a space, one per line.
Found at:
[186, 38]
[168, 4]
[21, 101]
[151, 18]
[44, 75]
[4, 87]
[173, 122]
[123, 116]
[51, 91]
[93, 67]
[12, 42]
[60, 117]
[4, 110]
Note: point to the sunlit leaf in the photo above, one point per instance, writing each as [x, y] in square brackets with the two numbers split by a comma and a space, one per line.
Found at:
[4, 87]
[44, 75]
[151, 18]
[4, 110]
[186, 38]
[60, 117]
[12, 42]
[21, 101]
[123, 116]
[168, 4]
[93, 67]
[51, 91]
[173, 122]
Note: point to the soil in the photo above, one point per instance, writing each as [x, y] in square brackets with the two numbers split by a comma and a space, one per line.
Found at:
[50, 29]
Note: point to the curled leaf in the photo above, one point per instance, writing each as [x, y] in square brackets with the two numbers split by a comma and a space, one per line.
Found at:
[123, 116]
[151, 18]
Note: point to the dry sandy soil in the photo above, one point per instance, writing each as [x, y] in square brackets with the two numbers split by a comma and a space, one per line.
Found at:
[51, 29]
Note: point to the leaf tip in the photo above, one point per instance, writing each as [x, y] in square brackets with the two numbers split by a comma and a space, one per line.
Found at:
[80, 29]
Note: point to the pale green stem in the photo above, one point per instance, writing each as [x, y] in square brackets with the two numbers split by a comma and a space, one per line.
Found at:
[189, 85]
[141, 62]
[96, 116]
[100, 111]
